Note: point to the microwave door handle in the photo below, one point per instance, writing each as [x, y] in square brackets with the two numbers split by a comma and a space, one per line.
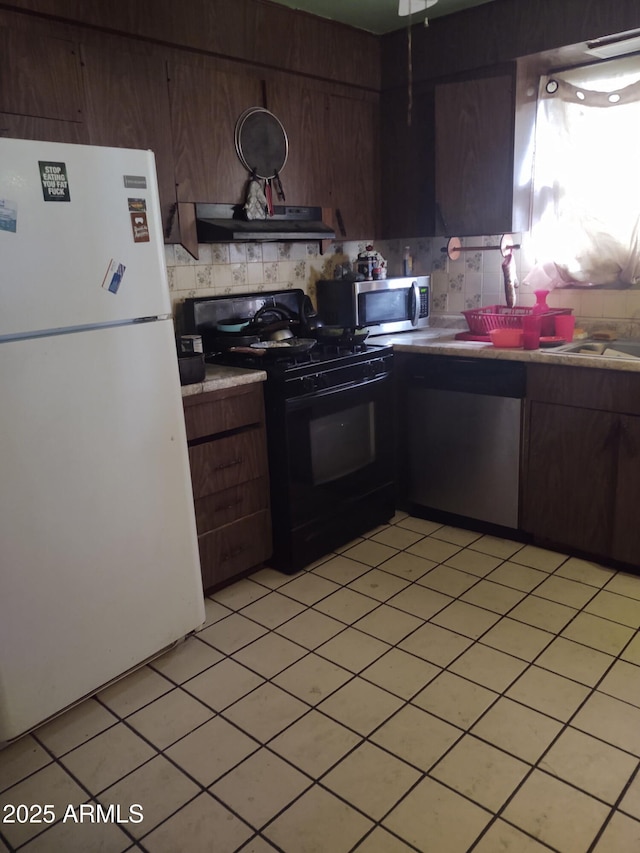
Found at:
[415, 303]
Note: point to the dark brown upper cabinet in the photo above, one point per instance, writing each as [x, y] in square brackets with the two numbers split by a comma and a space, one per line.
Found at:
[303, 109]
[447, 163]
[353, 167]
[127, 107]
[407, 164]
[39, 76]
[205, 103]
[474, 156]
[332, 160]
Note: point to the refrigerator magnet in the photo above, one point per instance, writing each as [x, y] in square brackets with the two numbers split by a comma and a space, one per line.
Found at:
[55, 183]
[139, 224]
[140, 227]
[113, 277]
[8, 215]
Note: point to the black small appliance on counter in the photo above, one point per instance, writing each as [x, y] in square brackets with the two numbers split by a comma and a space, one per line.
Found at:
[329, 418]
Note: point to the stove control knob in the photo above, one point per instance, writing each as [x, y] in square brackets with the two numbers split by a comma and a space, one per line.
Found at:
[308, 384]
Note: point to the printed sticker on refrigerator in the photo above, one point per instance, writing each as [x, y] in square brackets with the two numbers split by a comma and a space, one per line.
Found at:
[136, 182]
[139, 224]
[8, 215]
[113, 277]
[55, 183]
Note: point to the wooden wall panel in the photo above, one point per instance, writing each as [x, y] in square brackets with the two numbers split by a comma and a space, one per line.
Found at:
[127, 106]
[49, 130]
[253, 31]
[39, 76]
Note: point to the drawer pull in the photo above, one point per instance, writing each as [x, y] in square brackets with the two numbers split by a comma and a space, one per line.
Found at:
[233, 553]
[224, 465]
[220, 507]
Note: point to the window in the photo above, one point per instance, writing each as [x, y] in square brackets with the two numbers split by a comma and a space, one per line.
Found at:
[586, 201]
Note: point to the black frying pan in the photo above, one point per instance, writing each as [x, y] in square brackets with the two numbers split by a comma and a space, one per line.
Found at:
[341, 337]
[276, 349]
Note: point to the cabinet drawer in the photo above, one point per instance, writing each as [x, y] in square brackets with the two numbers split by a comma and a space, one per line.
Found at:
[220, 411]
[585, 387]
[234, 548]
[225, 462]
[231, 504]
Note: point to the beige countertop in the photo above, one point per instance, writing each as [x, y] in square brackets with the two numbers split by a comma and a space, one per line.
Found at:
[442, 342]
[434, 341]
[218, 376]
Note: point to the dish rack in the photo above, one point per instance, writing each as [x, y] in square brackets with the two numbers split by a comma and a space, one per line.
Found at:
[482, 320]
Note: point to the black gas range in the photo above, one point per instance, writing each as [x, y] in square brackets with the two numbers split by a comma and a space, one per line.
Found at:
[329, 418]
[322, 368]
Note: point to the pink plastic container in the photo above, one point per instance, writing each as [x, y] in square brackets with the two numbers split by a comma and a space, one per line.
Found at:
[506, 337]
[531, 327]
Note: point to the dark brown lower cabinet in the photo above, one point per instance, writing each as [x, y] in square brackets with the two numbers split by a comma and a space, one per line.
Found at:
[230, 480]
[582, 466]
[626, 524]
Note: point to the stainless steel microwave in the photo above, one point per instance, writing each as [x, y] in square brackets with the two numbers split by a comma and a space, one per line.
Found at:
[386, 306]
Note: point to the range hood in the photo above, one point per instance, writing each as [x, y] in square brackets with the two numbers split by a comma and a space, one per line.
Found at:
[218, 223]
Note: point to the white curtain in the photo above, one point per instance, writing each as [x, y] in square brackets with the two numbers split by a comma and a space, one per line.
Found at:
[586, 202]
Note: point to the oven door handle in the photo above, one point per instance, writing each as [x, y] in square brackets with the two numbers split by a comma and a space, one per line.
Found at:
[415, 303]
[358, 386]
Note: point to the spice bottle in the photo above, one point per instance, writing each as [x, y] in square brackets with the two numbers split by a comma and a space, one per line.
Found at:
[407, 262]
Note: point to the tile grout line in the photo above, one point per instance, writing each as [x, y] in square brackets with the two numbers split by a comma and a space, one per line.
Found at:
[359, 673]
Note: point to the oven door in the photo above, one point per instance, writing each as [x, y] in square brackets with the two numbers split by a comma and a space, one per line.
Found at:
[339, 480]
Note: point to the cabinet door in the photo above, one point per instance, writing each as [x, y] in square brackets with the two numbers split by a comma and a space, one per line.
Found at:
[205, 105]
[128, 107]
[626, 526]
[407, 157]
[333, 154]
[234, 548]
[39, 76]
[570, 476]
[221, 508]
[475, 121]
[220, 411]
[303, 113]
[227, 461]
[354, 177]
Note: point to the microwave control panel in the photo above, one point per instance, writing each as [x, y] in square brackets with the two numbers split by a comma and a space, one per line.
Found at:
[424, 302]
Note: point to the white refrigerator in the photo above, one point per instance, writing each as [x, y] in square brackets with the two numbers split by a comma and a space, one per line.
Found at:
[99, 567]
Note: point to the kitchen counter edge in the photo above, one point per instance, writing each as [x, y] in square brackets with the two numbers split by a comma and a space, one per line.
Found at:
[218, 376]
[442, 342]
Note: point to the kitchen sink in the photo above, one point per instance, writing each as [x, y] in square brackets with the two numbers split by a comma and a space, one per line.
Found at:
[603, 349]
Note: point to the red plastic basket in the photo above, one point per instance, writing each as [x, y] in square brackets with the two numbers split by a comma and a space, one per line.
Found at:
[482, 320]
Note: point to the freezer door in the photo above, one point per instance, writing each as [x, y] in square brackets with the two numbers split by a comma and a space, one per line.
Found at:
[80, 244]
[98, 546]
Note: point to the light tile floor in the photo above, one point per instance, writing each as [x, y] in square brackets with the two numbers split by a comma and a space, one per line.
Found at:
[427, 688]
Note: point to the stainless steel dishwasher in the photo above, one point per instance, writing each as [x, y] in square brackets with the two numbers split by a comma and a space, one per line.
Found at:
[464, 423]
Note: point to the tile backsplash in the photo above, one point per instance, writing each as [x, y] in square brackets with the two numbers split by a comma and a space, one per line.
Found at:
[473, 281]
